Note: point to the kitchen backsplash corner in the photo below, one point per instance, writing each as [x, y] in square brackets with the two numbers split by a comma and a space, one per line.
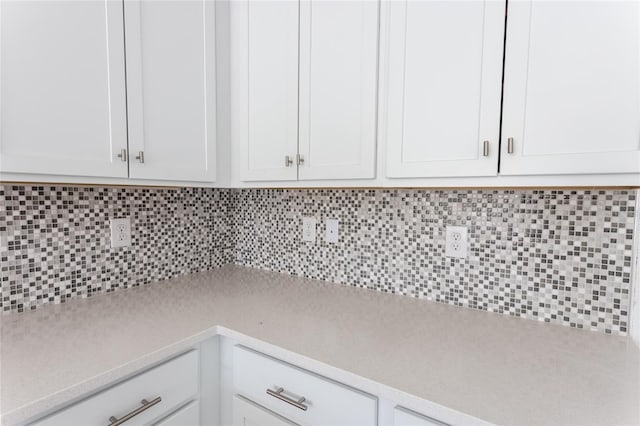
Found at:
[559, 256]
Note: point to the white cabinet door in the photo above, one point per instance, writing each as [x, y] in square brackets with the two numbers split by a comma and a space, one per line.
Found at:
[246, 413]
[572, 88]
[444, 71]
[264, 88]
[171, 89]
[62, 88]
[338, 88]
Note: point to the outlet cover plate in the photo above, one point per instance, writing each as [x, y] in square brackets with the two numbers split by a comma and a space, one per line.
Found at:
[309, 229]
[120, 232]
[331, 232]
[457, 241]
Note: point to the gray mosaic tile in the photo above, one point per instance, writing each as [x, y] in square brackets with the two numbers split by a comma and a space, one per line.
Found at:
[557, 256]
[54, 240]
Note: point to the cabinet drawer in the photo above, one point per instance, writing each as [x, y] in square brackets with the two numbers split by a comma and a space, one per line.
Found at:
[404, 417]
[189, 415]
[325, 401]
[174, 382]
[246, 413]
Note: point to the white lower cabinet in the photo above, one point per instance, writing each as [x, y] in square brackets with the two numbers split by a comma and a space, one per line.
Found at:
[405, 417]
[223, 384]
[297, 394]
[248, 413]
[142, 399]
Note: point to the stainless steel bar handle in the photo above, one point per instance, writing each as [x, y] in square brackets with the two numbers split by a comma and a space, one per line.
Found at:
[140, 156]
[300, 160]
[288, 161]
[278, 394]
[114, 421]
[123, 154]
[510, 145]
[485, 148]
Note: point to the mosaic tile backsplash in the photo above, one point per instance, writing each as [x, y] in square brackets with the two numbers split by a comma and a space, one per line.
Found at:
[556, 256]
[55, 241]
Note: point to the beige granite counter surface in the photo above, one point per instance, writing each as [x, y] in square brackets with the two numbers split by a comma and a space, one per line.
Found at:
[501, 369]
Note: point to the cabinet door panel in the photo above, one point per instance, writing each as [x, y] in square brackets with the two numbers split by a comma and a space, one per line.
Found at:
[338, 87]
[62, 88]
[572, 87]
[171, 89]
[444, 82]
[264, 87]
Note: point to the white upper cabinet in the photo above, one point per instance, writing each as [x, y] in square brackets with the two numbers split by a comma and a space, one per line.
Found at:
[171, 89]
[338, 89]
[443, 76]
[309, 86]
[62, 89]
[264, 88]
[572, 88]
[304, 79]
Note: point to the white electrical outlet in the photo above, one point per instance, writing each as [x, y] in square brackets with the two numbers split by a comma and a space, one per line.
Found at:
[331, 232]
[309, 229]
[121, 232]
[456, 244]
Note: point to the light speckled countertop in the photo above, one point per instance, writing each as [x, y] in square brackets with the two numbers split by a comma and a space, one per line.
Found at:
[500, 369]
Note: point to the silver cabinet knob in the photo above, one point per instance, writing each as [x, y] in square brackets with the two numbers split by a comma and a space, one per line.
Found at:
[300, 160]
[510, 145]
[123, 154]
[485, 148]
[140, 157]
[288, 161]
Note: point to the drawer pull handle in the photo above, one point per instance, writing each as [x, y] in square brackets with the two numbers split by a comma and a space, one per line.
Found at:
[113, 421]
[278, 394]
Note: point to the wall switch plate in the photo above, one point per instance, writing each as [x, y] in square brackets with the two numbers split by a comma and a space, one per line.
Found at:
[331, 233]
[120, 232]
[309, 229]
[456, 244]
